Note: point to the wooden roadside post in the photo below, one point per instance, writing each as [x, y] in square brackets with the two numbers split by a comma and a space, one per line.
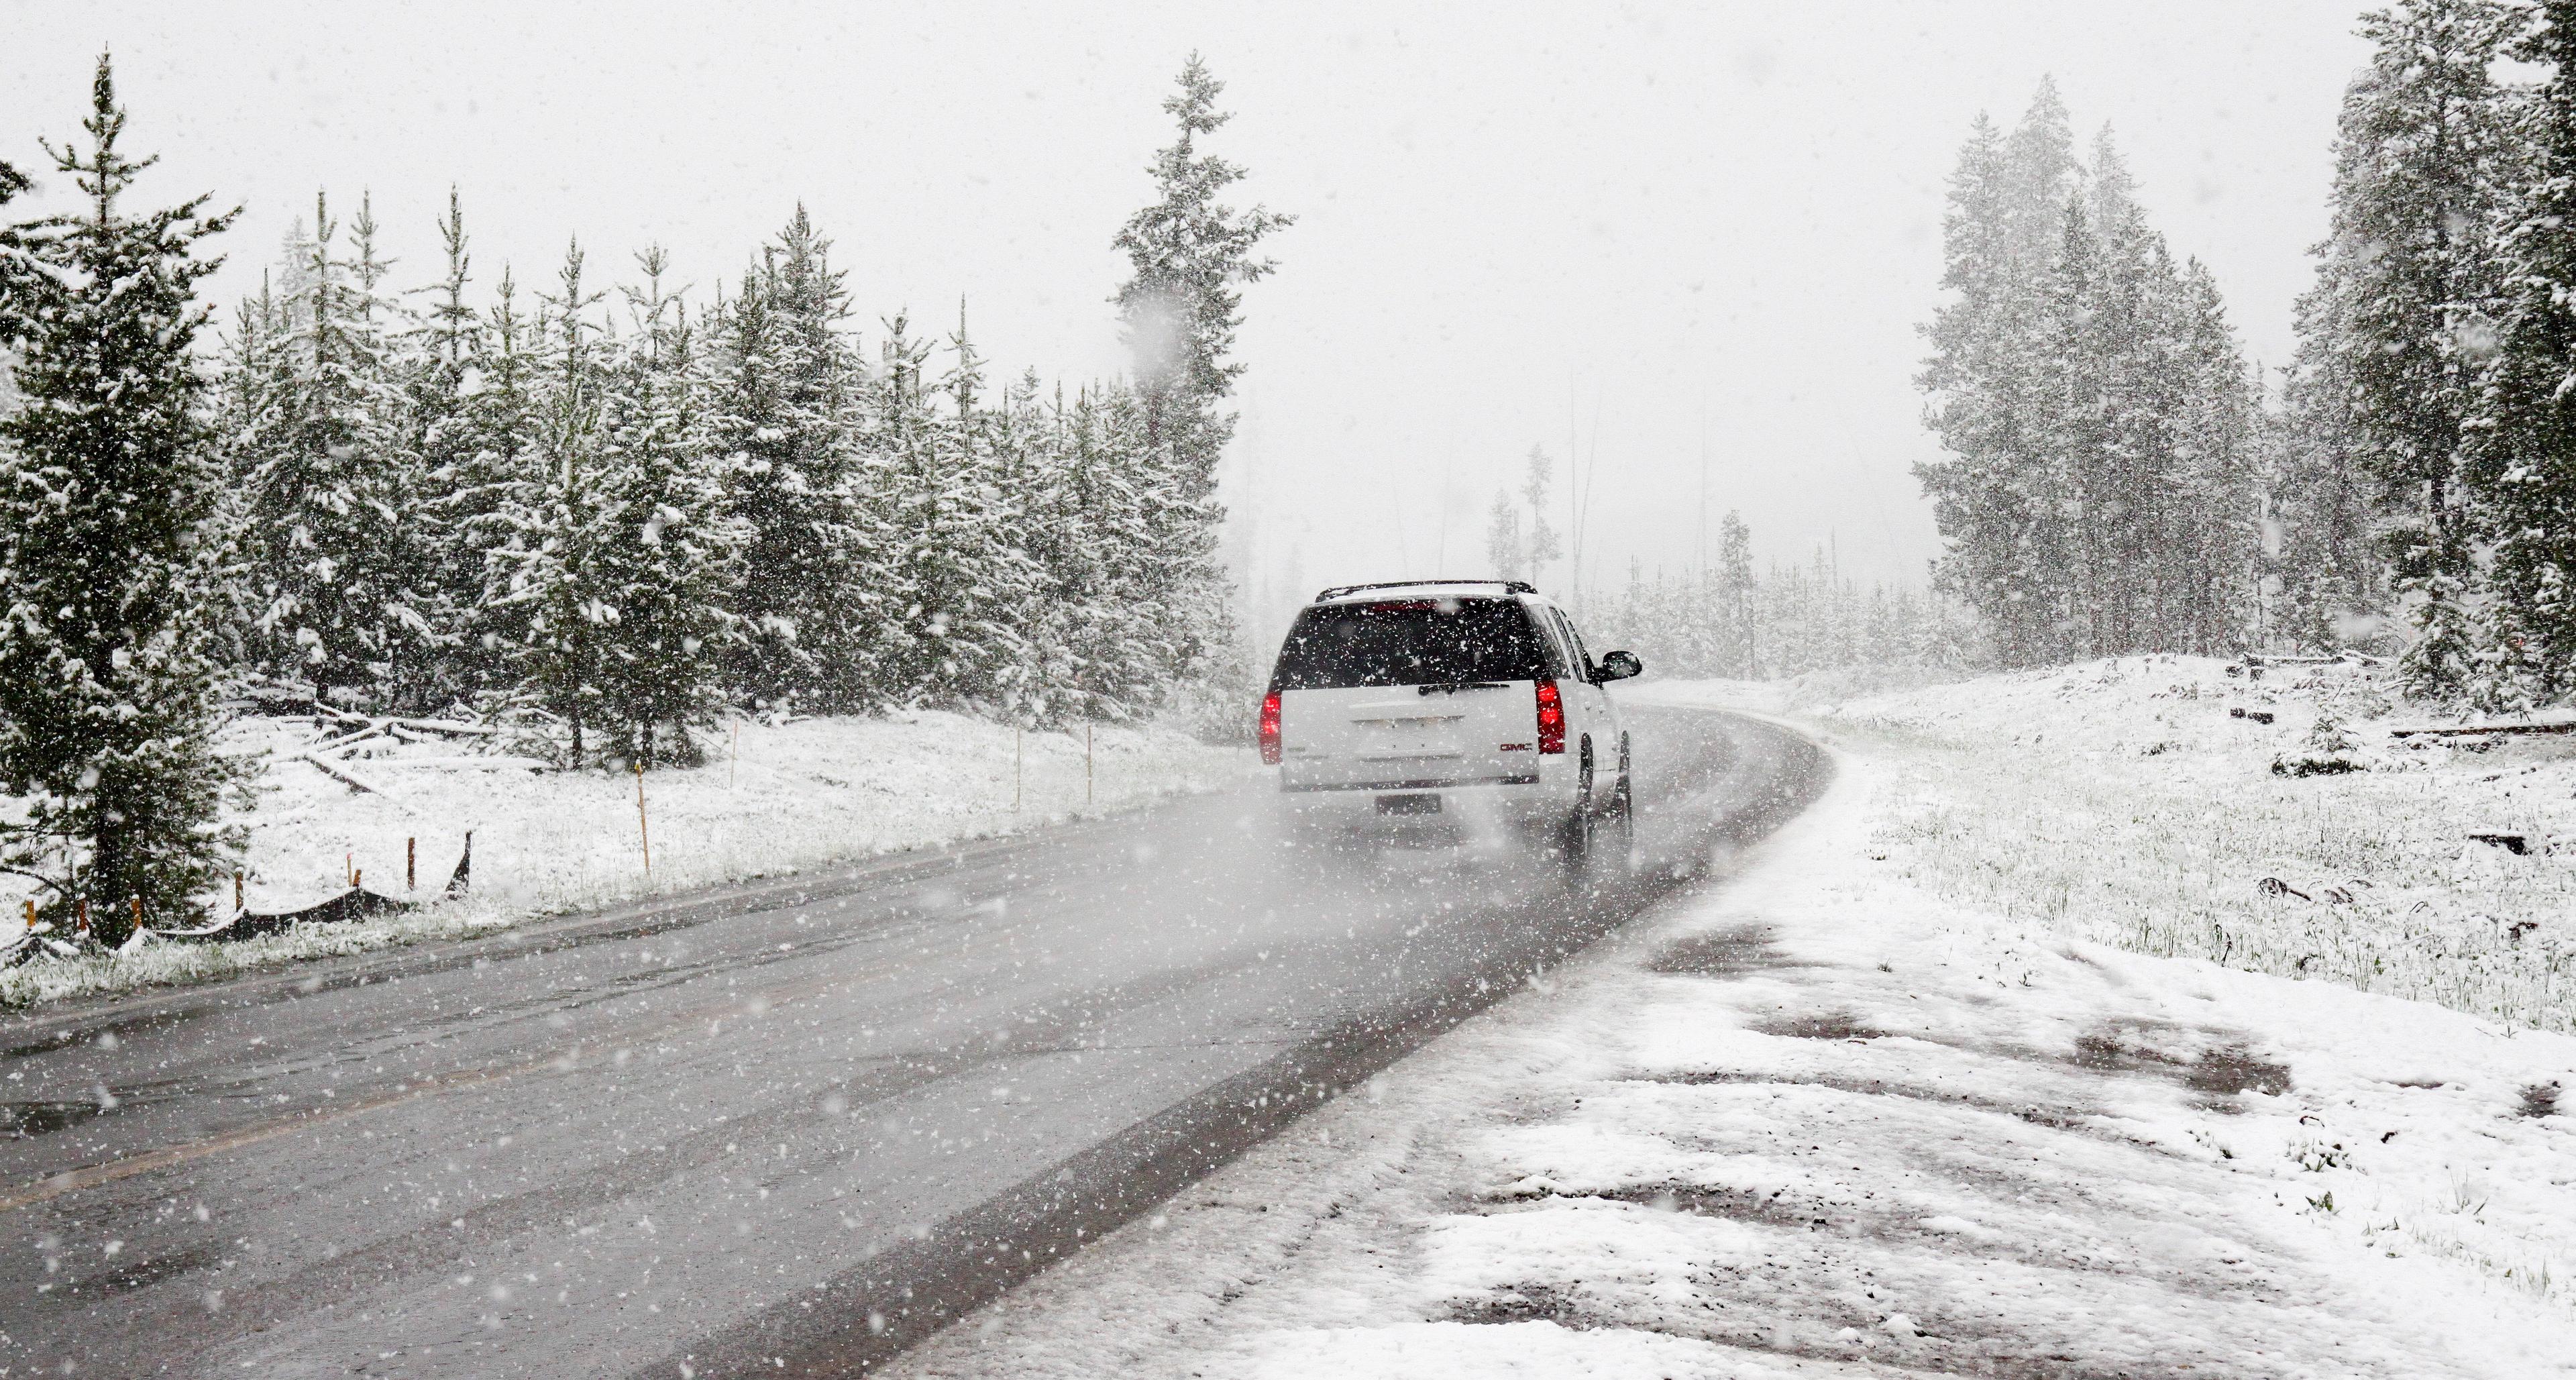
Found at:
[138, 912]
[237, 889]
[411, 864]
[643, 825]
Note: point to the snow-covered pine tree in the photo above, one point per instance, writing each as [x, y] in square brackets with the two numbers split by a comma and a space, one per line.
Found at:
[2523, 451]
[1189, 254]
[1739, 653]
[1538, 475]
[443, 372]
[495, 463]
[2323, 507]
[2395, 333]
[1104, 641]
[107, 481]
[957, 560]
[2057, 487]
[246, 369]
[1175, 570]
[2208, 542]
[334, 483]
[660, 564]
[560, 521]
[2002, 234]
[2168, 522]
[786, 412]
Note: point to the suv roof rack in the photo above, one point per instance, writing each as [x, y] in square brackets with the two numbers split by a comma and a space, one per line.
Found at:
[1337, 591]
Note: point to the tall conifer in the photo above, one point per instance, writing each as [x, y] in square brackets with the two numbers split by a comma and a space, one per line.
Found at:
[2524, 459]
[107, 482]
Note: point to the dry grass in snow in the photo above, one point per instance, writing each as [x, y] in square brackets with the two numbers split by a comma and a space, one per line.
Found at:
[1819, 1122]
[2129, 803]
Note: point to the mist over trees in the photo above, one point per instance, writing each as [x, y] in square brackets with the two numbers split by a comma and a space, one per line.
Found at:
[2098, 495]
[1732, 620]
[597, 506]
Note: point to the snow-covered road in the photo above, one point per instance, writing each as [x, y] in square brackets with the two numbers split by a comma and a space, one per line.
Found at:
[777, 1129]
[1816, 1122]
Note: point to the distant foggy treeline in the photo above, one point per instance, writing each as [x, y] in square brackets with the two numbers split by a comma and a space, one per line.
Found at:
[582, 502]
[1733, 620]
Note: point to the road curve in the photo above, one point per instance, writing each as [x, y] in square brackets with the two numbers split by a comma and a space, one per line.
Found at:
[777, 1129]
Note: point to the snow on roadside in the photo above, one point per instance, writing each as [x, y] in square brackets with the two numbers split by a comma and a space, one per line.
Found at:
[1818, 1121]
[797, 796]
[2136, 802]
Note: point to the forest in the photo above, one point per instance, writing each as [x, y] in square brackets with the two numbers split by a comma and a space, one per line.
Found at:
[586, 507]
[2115, 478]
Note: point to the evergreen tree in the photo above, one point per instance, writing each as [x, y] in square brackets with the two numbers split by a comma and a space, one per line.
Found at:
[661, 563]
[2396, 332]
[1189, 254]
[462, 475]
[493, 463]
[2097, 493]
[1506, 547]
[560, 524]
[334, 484]
[1734, 647]
[1994, 496]
[786, 411]
[2209, 540]
[107, 480]
[2523, 462]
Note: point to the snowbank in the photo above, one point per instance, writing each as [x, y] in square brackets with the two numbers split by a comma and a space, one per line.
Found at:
[1822, 1120]
[773, 800]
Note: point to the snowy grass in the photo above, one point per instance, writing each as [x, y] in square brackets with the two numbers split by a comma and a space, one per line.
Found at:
[2123, 802]
[806, 794]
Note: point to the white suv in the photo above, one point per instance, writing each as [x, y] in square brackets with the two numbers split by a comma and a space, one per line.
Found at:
[1447, 711]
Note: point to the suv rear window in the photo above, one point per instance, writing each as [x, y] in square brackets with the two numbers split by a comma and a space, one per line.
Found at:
[1410, 642]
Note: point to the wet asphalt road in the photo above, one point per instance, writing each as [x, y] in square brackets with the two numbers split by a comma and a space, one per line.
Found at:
[780, 1130]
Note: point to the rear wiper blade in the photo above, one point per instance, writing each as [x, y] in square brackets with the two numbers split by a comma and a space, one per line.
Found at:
[1451, 687]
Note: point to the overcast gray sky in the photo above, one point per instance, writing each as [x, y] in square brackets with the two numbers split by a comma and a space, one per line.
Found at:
[1515, 221]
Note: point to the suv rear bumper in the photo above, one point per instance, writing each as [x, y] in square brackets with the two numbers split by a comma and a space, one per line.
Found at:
[1490, 808]
[1467, 783]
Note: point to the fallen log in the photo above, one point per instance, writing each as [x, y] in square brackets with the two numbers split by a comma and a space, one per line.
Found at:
[342, 775]
[492, 762]
[2479, 730]
[356, 903]
[449, 727]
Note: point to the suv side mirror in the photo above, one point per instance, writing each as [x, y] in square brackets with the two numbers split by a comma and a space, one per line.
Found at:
[1618, 666]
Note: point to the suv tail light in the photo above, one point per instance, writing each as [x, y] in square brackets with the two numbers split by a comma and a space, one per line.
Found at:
[1270, 729]
[1551, 718]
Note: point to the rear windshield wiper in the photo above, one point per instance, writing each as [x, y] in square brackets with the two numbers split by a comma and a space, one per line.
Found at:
[1451, 687]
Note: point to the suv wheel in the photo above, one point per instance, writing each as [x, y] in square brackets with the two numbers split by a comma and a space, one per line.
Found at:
[1578, 835]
